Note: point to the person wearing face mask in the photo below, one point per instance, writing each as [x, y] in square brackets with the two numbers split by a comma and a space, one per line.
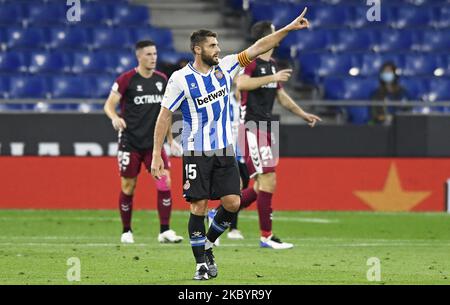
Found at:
[389, 90]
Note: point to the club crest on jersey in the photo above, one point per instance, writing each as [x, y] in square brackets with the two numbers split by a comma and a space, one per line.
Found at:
[193, 85]
[219, 74]
[274, 71]
[159, 85]
[139, 88]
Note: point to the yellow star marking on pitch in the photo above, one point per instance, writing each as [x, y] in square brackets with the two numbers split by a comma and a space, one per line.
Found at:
[392, 197]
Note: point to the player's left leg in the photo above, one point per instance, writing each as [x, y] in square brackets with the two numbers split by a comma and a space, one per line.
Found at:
[164, 200]
[267, 185]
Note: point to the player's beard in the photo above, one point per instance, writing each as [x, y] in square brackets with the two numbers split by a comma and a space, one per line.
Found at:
[209, 60]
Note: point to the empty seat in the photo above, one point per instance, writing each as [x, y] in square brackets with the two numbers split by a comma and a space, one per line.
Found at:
[439, 90]
[395, 40]
[4, 87]
[103, 84]
[70, 87]
[94, 13]
[89, 62]
[434, 41]
[416, 87]
[25, 38]
[410, 16]
[119, 62]
[69, 38]
[27, 87]
[130, 15]
[50, 62]
[320, 16]
[11, 14]
[161, 37]
[173, 57]
[12, 62]
[114, 38]
[420, 64]
[352, 40]
[47, 14]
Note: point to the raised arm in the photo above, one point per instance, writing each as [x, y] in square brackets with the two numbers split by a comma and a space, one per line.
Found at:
[269, 42]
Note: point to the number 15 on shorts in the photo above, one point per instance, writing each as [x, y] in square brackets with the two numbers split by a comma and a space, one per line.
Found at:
[191, 171]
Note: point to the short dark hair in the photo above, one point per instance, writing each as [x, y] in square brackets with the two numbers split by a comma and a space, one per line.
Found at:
[144, 43]
[200, 36]
[261, 29]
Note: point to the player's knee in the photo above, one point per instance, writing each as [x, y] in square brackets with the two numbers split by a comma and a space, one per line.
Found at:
[267, 182]
[199, 207]
[128, 185]
[231, 203]
[163, 184]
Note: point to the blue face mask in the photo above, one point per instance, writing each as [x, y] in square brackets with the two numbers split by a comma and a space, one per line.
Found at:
[387, 77]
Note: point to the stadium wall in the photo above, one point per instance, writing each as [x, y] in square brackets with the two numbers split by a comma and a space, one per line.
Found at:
[92, 134]
[379, 184]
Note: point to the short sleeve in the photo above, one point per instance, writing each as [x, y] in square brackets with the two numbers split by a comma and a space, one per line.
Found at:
[174, 93]
[121, 84]
[230, 64]
[250, 68]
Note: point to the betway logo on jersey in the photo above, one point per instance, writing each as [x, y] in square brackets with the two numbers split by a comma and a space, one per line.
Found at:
[204, 101]
[148, 99]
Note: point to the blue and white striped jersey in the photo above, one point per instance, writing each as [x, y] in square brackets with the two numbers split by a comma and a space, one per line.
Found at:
[204, 101]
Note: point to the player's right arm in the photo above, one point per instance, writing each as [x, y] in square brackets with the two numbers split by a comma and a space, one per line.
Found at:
[245, 82]
[173, 97]
[271, 41]
[110, 110]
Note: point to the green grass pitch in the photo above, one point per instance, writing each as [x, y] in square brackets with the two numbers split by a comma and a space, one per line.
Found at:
[330, 248]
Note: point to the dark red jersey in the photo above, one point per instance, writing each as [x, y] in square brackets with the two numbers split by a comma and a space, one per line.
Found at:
[257, 104]
[140, 104]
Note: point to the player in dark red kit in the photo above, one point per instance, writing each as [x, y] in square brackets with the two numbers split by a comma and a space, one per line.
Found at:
[139, 92]
[261, 85]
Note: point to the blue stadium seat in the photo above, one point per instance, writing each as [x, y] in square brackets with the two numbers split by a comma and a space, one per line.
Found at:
[25, 38]
[114, 38]
[434, 41]
[12, 62]
[103, 84]
[420, 64]
[439, 89]
[162, 37]
[443, 17]
[89, 62]
[416, 87]
[70, 87]
[130, 15]
[321, 16]
[69, 38]
[172, 57]
[264, 11]
[4, 87]
[47, 14]
[315, 66]
[50, 62]
[413, 16]
[11, 14]
[94, 13]
[394, 40]
[308, 41]
[119, 62]
[27, 87]
[352, 40]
